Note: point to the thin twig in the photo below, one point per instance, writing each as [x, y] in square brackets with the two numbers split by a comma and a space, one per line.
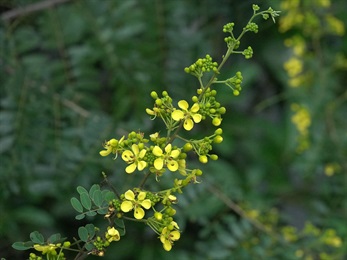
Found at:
[22, 11]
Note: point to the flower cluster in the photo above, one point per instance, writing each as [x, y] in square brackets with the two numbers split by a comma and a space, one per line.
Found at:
[202, 65]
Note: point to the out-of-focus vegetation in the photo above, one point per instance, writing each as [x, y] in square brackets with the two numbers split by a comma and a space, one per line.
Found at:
[80, 72]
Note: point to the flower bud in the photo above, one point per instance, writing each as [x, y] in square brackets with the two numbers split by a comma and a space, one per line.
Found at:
[154, 95]
[203, 159]
[216, 121]
[218, 139]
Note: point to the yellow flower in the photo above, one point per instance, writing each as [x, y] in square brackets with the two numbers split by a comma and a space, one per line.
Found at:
[293, 66]
[169, 235]
[190, 116]
[136, 204]
[111, 146]
[133, 158]
[168, 159]
[46, 248]
[112, 235]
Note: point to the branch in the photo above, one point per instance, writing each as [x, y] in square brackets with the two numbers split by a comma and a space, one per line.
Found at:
[22, 11]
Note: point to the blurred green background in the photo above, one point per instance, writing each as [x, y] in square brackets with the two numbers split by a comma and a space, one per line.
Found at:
[79, 72]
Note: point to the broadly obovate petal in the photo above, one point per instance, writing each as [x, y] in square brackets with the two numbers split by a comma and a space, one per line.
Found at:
[135, 149]
[197, 118]
[175, 153]
[142, 153]
[141, 196]
[188, 124]
[157, 151]
[131, 168]
[128, 156]
[183, 105]
[168, 148]
[129, 195]
[158, 163]
[141, 165]
[146, 203]
[172, 165]
[139, 213]
[195, 108]
[177, 115]
[126, 206]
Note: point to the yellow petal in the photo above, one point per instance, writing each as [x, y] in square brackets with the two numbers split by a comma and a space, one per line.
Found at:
[197, 118]
[172, 165]
[126, 206]
[157, 151]
[113, 232]
[135, 149]
[168, 148]
[131, 168]
[158, 163]
[188, 124]
[141, 165]
[167, 245]
[139, 213]
[195, 108]
[177, 115]
[175, 235]
[127, 156]
[150, 112]
[175, 153]
[183, 104]
[142, 153]
[106, 152]
[141, 196]
[146, 203]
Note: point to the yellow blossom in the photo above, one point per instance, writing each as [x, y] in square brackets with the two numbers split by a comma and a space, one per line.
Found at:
[189, 116]
[293, 66]
[134, 159]
[169, 158]
[112, 235]
[335, 25]
[169, 235]
[46, 248]
[111, 146]
[131, 203]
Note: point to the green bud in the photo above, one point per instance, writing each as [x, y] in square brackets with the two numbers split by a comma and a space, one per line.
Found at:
[158, 215]
[158, 102]
[195, 99]
[214, 157]
[203, 159]
[222, 110]
[218, 139]
[216, 121]
[187, 147]
[154, 95]
[219, 131]
[236, 92]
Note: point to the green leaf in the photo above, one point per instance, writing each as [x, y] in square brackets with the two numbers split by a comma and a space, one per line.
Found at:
[22, 245]
[89, 246]
[76, 204]
[37, 237]
[81, 190]
[108, 195]
[85, 200]
[80, 216]
[102, 211]
[120, 225]
[83, 234]
[97, 198]
[91, 213]
[54, 238]
[91, 230]
[92, 189]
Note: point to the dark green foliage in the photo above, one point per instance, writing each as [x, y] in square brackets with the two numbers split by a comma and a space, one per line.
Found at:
[81, 72]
